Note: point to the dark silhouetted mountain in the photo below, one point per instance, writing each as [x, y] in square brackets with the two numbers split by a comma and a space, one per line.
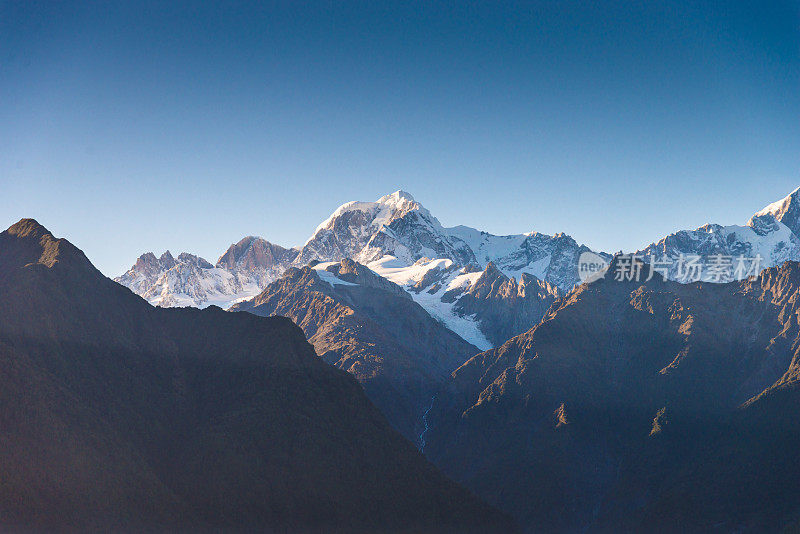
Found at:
[117, 416]
[637, 406]
[370, 327]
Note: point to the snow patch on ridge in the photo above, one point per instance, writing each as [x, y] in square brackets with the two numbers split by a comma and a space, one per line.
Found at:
[329, 277]
[407, 276]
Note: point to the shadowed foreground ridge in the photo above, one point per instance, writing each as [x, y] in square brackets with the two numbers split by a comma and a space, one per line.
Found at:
[116, 415]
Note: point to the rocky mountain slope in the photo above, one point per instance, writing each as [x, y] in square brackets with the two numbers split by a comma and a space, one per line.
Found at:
[257, 258]
[370, 327]
[484, 307]
[118, 416]
[637, 406]
[402, 241]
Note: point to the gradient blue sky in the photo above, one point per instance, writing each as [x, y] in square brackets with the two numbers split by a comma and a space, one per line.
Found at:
[147, 126]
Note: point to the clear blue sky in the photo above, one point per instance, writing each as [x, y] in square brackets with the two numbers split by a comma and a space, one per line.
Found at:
[148, 126]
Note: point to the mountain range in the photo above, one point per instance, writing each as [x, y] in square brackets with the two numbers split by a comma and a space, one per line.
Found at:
[397, 238]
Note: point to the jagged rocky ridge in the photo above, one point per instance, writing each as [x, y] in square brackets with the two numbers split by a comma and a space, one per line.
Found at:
[188, 280]
[487, 307]
[121, 417]
[637, 407]
[771, 235]
[260, 259]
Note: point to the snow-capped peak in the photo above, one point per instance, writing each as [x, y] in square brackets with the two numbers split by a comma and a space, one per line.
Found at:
[785, 210]
[353, 228]
[780, 206]
[382, 211]
[396, 198]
